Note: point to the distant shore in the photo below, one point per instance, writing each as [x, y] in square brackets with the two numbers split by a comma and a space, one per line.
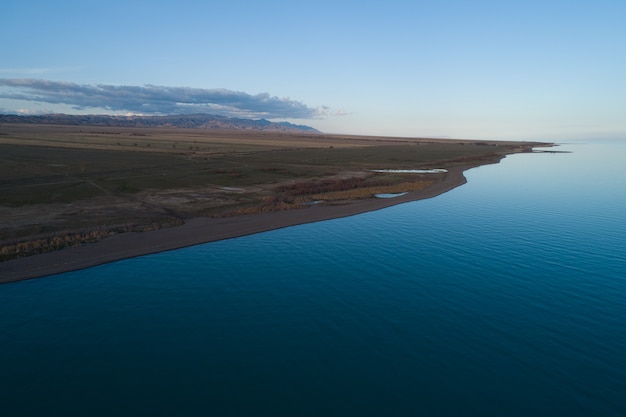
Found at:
[203, 230]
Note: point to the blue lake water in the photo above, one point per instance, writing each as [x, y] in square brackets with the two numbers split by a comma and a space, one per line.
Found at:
[503, 297]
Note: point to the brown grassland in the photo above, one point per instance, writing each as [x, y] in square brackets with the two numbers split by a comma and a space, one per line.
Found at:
[68, 185]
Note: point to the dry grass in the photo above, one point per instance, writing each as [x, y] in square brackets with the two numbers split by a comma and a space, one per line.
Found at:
[300, 195]
[66, 181]
[365, 192]
[266, 205]
[60, 240]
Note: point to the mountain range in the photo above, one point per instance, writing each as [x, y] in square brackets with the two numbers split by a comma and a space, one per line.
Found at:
[194, 121]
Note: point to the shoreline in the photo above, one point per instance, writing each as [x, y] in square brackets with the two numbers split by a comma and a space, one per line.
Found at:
[202, 230]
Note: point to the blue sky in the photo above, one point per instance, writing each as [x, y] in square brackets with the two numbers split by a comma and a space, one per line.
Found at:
[533, 70]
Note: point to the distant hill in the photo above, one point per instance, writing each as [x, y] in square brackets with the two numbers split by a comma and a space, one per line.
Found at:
[194, 121]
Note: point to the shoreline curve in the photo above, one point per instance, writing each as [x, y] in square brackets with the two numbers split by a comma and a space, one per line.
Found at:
[202, 230]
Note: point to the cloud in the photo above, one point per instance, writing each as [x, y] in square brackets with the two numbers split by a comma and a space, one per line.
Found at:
[36, 71]
[325, 111]
[341, 112]
[152, 99]
[30, 71]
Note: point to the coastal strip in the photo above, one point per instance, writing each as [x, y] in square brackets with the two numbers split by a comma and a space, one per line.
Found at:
[203, 230]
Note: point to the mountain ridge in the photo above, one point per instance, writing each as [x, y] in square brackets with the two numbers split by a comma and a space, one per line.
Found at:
[190, 121]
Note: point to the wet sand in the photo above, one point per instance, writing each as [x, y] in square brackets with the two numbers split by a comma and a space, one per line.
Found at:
[201, 230]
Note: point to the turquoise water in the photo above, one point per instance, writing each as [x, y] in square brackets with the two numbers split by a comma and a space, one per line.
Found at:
[504, 297]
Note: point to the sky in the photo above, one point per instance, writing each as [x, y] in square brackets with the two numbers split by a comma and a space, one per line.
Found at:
[510, 70]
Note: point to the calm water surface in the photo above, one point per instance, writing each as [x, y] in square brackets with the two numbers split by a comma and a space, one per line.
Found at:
[504, 297]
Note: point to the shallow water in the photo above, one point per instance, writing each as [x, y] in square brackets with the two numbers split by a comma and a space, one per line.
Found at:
[389, 195]
[502, 297]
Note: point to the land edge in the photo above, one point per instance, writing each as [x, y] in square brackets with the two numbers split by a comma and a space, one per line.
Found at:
[200, 230]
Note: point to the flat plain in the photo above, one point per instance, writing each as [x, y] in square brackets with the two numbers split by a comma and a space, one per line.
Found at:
[69, 185]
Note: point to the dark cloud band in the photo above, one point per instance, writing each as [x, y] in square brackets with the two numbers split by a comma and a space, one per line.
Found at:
[152, 99]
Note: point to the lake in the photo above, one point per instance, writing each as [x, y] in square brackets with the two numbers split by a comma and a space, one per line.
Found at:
[503, 297]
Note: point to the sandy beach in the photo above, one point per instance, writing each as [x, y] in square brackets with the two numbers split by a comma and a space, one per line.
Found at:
[201, 230]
